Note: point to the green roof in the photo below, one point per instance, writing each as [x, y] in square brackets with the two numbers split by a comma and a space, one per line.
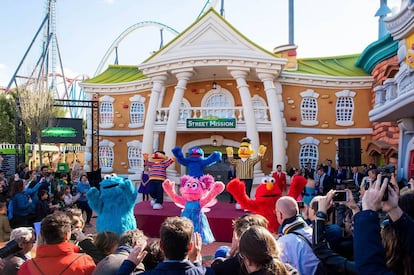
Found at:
[118, 74]
[376, 52]
[332, 66]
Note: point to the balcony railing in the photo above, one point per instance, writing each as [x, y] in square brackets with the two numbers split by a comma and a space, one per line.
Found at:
[402, 83]
[261, 114]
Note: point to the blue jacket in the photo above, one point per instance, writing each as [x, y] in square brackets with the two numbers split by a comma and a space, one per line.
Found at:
[404, 228]
[21, 205]
[369, 254]
[83, 188]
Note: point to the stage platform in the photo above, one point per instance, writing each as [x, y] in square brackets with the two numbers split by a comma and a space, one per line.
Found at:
[220, 218]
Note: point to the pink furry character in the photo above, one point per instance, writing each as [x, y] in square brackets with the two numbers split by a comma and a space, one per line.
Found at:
[196, 196]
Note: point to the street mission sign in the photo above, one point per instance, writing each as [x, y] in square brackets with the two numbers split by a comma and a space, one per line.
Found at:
[211, 123]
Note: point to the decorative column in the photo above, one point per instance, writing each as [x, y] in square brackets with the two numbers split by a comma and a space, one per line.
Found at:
[240, 74]
[148, 136]
[278, 138]
[170, 139]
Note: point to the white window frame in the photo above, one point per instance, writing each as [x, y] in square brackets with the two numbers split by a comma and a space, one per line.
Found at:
[135, 159]
[345, 111]
[309, 115]
[222, 111]
[109, 121]
[185, 110]
[309, 143]
[136, 118]
[260, 108]
[106, 161]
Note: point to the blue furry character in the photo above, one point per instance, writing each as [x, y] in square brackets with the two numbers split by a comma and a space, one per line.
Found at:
[196, 160]
[114, 203]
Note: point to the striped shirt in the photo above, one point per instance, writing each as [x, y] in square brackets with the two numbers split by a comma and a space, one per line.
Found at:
[158, 171]
[245, 168]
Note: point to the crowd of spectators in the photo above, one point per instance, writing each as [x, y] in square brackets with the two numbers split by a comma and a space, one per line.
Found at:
[367, 233]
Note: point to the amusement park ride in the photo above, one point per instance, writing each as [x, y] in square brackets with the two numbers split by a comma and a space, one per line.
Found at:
[48, 70]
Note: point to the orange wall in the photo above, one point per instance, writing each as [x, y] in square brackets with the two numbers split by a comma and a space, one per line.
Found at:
[291, 99]
[326, 107]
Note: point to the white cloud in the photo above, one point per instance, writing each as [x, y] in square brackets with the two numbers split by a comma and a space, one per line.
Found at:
[109, 1]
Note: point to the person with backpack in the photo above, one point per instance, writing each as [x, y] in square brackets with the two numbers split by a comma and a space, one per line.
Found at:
[295, 242]
[55, 254]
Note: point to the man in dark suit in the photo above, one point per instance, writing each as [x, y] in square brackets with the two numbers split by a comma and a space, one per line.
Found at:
[310, 172]
[324, 184]
[231, 175]
[330, 170]
[356, 176]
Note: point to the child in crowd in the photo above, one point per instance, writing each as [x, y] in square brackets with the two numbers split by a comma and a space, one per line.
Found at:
[181, 247]
[4, 223]
[107, 242]
[44, 206]
[82, 188]
[69, 199]
[59, 200]
[154, 255]
[143, 187]
[99, 247]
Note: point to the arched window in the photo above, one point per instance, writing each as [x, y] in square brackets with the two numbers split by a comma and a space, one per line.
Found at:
[106, 112]
[309, 152]
[218, 103]
[185, 110]
[106, 155]
[309, 108]
[259, 108]
[135, 160]
[345, 108]
[137, 111]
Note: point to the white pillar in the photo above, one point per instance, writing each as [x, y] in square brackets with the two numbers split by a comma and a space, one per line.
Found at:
[148, 137]
[174, 111]
[278, 139]
[240, 74]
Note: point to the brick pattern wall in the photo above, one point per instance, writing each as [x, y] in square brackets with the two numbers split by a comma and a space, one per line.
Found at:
[385, 131]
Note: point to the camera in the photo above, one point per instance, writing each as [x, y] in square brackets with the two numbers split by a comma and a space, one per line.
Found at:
[10, 248]
[301, 204]
[73, 237]
[386, 172]
[340, 196]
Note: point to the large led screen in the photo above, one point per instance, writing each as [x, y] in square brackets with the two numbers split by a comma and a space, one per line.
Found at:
[62, 130]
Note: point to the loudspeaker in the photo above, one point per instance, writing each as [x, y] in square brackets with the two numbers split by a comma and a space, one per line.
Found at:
[349, 151]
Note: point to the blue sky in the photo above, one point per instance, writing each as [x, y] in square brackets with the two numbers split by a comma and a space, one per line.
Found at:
[87, 28]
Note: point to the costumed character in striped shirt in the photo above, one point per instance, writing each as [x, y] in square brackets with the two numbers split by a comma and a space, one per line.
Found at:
[245, 165]
[158, 173]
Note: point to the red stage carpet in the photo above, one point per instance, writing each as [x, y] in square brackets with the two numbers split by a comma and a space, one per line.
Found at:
[220, 218]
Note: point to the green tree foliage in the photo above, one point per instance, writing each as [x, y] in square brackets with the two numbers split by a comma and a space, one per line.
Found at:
[7, 114]
[36, 108]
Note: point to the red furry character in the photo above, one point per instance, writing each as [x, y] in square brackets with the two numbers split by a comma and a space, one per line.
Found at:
[266, 196]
